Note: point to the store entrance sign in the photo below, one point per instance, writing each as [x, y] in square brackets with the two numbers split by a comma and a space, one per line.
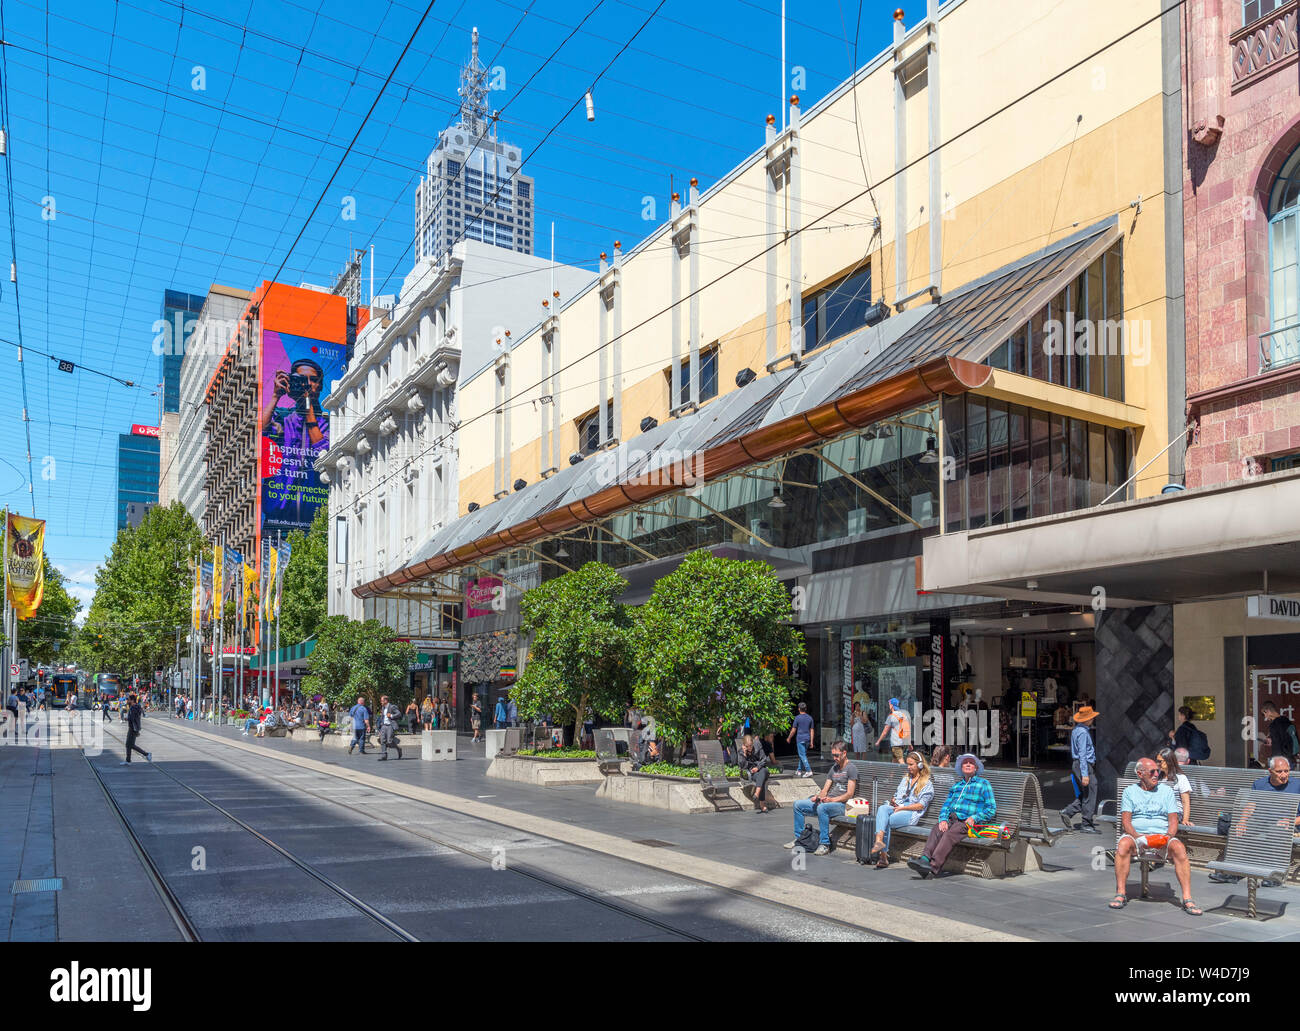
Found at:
[1273, 606]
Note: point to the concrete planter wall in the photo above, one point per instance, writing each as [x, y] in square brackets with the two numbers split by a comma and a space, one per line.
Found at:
[686, 795]
[543, 772]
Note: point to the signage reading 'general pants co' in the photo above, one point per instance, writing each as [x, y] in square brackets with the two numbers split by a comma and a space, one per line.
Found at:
[1272, 606]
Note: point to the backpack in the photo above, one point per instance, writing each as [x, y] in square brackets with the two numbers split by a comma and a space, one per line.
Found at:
[1198, 747]
[808, 840]
[904, 725]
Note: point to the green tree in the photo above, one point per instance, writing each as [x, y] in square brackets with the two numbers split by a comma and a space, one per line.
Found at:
[703, 646]
[580, 658]
[47, 637]
[306, 581]
[353, 658]
[142, 594]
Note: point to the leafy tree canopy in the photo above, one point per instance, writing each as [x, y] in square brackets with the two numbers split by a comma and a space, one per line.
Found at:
[579, 660]
[46, 638]
[354, 658]
[306, 581]
[704, 646]
[142, 594]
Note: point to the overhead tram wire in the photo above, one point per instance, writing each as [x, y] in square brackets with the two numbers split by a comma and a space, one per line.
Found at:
[7, 123]
[520, 394]
[301, 132]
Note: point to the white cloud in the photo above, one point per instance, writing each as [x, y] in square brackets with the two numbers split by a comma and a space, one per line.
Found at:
[80, 584]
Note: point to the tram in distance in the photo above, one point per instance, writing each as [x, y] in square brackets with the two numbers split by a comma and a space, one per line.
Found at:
[107, 689]
[61, 686]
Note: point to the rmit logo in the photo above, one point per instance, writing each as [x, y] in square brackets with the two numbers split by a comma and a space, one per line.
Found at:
[99, 984]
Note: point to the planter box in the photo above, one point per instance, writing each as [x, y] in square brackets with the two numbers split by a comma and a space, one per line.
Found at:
[530, 770]
[686, 794]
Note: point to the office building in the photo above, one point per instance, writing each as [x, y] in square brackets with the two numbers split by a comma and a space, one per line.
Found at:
[472, 188]
[137, 470]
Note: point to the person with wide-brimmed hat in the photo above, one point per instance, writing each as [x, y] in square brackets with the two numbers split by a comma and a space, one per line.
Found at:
[1083, 760]
[969, 802]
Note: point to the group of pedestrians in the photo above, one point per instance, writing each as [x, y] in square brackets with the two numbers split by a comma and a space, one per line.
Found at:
[384, 720]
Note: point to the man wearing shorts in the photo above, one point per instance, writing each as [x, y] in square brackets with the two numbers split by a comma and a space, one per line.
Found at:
[476, 716]
[1150, 808]
[899, 729]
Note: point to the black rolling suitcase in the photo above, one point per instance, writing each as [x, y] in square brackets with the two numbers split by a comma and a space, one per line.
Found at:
[863, 838]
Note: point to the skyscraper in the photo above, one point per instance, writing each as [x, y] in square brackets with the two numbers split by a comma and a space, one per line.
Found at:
[137, 469]
[472, 187]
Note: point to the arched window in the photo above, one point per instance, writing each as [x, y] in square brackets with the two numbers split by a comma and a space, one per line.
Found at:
[1281, 345]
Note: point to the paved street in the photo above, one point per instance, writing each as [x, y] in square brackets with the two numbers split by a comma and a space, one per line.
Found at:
[436, 851]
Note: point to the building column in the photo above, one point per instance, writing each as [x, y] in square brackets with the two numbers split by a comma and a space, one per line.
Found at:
[1135, 686]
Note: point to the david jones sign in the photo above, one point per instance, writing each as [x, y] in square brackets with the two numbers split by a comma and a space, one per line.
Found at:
[1272, 606]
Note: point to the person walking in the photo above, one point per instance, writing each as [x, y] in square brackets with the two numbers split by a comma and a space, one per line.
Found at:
[412, 716]
[133, 715]
[1083, 759]
[499, 715]
[512, 713]
[388, 715]
[899, 729]
[476, 718]
[360, 725]
[444, 714]
[426, 712]
[802, 735]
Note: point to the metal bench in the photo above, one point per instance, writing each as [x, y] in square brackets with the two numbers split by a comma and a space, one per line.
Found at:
[1019, 800]
[1144, 861]
[607, 752]
[712, 765]
[1213, 790]
[1259, 846]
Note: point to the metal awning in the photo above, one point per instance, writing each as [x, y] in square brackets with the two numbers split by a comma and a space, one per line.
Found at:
[876, 372]
[1197, 544]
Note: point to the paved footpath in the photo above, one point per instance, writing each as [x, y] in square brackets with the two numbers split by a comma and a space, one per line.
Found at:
[688, 858]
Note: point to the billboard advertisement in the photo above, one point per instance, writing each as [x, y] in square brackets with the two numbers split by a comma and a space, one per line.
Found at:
[295, 428]
[483, 596]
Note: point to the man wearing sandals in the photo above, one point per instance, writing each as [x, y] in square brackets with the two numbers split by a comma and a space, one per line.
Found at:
[1149, 812]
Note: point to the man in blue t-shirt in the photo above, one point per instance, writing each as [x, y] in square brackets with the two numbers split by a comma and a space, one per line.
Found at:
[1279, 779]
[360, 725]
[802, 736]
[1149, 811]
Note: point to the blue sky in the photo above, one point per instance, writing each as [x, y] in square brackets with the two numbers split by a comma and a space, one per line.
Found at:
[157, 183]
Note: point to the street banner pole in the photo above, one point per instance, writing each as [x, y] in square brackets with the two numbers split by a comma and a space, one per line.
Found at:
[275, 611]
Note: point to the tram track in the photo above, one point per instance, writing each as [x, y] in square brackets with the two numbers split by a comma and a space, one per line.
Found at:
[522, 869]
[171, 901]
[543, 877]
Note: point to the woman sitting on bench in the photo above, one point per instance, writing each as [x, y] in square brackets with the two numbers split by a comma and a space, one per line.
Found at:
[910, 801]
[753, 767]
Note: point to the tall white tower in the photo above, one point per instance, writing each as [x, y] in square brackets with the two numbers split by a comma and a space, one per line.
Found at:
[469, 167]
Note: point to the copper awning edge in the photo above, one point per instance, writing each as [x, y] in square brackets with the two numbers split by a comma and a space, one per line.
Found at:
[831, 419]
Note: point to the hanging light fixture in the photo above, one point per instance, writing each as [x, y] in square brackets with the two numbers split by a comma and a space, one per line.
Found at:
[640, 523]
[777, 501]
[931, 455]
[561, 551]
[591, 107]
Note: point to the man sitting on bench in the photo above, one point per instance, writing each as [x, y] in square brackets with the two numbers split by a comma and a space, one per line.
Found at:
[841, 784]
[970, 801]
[1149, 816]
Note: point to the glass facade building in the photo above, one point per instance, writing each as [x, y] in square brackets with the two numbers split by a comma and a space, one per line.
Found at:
[180, 313]
[137, 472]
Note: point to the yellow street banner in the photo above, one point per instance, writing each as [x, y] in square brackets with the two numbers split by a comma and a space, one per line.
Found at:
[196, 603]
[218, 594]
[24, 564]
[273, 572]
[246, 609]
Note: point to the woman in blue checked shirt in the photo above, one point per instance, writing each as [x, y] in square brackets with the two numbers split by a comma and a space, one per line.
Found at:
[915, 791]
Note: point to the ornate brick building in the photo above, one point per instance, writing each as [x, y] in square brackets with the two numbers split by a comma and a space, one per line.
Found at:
[1241, 205]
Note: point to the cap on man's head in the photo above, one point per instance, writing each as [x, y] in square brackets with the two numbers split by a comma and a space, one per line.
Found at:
[894, 703]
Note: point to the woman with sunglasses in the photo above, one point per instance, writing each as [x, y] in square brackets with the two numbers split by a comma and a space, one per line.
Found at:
[1172, 774]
